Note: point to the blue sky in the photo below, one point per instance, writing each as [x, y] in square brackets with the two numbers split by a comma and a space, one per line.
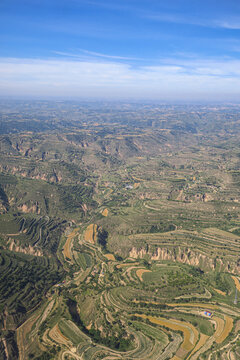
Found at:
[137, 49]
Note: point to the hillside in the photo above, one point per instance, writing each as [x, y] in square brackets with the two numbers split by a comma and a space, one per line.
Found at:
[119, 231]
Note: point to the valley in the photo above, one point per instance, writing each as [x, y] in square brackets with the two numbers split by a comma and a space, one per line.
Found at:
[119, 231]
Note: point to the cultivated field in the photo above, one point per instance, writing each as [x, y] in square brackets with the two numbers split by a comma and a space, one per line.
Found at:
[119, 232]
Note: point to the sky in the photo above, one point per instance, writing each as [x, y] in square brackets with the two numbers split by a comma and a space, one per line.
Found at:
[177, 50]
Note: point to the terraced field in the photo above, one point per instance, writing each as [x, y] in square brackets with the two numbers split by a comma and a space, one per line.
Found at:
[91, 233]
[67, 246]
[130, 299]
[126, 244]
[105, 212]
[140, 273]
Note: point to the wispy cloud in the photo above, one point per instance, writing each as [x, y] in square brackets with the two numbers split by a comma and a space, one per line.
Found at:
[225, 23]
[228, 22]
[174, 18]
[232, 24]
[109, 5]
[68, 54]
[93, 54]
[114, 57]
[171, 79]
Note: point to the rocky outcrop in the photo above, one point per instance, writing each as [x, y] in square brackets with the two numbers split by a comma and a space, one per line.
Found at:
[30, 250]
[54, 176]
[34, 208]
[185, 256]
[184, 196]
[3, 209]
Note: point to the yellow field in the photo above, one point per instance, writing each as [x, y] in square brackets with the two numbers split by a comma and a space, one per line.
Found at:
[56, 335]
[137, 179]
[220, 292]
[190, 333]
[67, 245]
[91, 233]
[105, 212]
[201, 342]
[200, 305]
[237, 284]
[223, 327]
[110, 257]
[227, 328]
[147, 302]
[125, 265]
[140, 273]
[220, 326]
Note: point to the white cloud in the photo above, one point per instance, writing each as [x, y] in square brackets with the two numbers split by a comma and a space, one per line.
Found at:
[172, 79]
